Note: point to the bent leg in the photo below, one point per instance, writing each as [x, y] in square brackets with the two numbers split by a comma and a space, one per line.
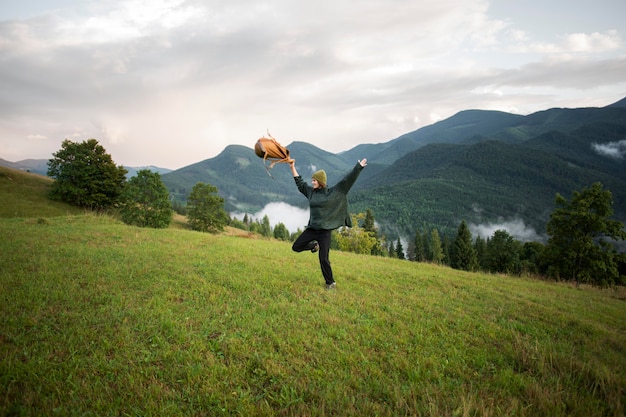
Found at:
[303, 242]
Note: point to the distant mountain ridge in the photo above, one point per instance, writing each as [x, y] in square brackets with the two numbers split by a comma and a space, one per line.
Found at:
[40, 166]
[481, 166]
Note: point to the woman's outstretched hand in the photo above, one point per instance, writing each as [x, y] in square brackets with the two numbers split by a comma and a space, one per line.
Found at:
[363, 162]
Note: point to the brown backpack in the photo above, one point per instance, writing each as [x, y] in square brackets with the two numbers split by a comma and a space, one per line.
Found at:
[269, 148]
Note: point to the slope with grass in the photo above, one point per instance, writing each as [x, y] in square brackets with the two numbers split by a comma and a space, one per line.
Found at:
[99, 318]
[26, 195]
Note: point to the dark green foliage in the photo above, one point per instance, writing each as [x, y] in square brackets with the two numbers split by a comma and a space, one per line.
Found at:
[418, 248]
[582, 236]
[399, 250]
[205, 209]
[531, 258]
[480, 245]
[281, 232]
[85, 175]
[145, 201]
[463, 255]
[369, 225]
[503, 253]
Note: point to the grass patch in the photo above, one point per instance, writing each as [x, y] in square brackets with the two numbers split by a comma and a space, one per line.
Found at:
[26, 195]
[99, 318]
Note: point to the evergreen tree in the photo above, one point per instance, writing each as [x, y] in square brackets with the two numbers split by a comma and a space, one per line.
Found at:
[369, 224]
[85, 175]
[418, 244]
[503, 252]
[145, 201]
[480, 245]
[531, 257]
[582, 236]
[399, 250]
[436, 248]
[445, 247]
[206, 209]
[266, 228]
[463, 254]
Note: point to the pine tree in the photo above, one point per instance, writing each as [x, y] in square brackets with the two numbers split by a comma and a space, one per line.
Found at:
[503, 253]
[436, 248]
[480, 246]
[399, 250]
[266, 228]
[463, 254]
[418, 244]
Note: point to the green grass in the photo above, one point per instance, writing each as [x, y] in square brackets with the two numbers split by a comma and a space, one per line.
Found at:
[26, 195]
[99, 318]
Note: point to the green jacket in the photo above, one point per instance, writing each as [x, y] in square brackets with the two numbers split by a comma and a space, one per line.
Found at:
[329, 206]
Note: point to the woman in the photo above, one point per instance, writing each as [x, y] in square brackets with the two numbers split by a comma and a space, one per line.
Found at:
[328, 208]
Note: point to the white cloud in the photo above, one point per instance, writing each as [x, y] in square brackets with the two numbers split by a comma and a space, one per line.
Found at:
[516, 228]
[572, 43]
[36, 137]
[615, 150]
[292, 217]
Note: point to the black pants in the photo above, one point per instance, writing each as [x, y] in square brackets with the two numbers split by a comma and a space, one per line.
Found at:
[305, 242]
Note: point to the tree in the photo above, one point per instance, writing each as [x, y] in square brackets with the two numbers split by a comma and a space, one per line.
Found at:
[206, 209]
[399, 250]
[445, 247]
[480, 245]
[436, 248]
[369, 224]
[85, 175]
[503, 253]
[281, 232]
[530, 257]
[582, 239]
[355, 239]
[266, 227]
[463, 255]
[145, 201]
[418, 247]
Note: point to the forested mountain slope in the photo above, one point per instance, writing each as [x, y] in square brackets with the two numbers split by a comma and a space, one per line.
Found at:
[481, 166]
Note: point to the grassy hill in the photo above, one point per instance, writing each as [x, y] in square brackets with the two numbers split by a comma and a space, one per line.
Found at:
[99, 318]
[26, 195]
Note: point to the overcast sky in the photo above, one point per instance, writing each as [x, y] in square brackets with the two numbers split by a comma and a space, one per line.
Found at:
[173, 82]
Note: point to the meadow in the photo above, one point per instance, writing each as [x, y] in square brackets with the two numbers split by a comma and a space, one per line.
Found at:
[98, 318]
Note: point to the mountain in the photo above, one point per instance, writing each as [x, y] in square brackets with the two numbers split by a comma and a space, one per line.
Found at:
[132, 171]
[36, 166]
[40, 166]
[479, 166]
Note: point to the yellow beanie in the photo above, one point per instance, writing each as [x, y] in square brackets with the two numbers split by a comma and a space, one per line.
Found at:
[320, 176]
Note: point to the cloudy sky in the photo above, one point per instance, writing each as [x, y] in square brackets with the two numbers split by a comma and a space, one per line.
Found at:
[173, 82]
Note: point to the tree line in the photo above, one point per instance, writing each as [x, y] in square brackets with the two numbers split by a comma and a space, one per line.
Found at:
[582, 245]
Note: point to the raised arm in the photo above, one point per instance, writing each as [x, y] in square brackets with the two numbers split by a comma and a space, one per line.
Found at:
[292, 165]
